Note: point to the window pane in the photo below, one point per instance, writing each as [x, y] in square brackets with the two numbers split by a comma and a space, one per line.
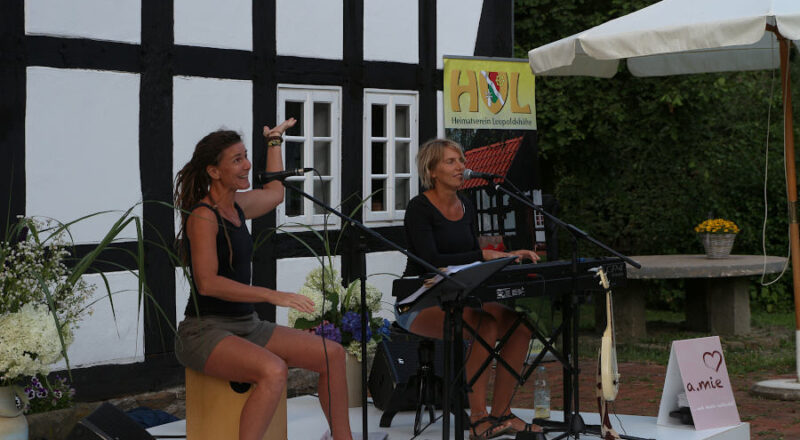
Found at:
[379, 158]
[401, 193]
[294, 201]
[378, 199]
[294, 155]
[295, 110]
[322, 119]
[378, 120]
[401, 163]
[322, 157]
[322, 191]
[401, 122]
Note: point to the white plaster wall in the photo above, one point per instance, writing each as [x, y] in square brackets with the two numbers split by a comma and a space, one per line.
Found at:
[382, 269]
[456, 27]
[309, 28]
[82, 147]
[291, 276]
[182, 292]
[391, 30]
[203, 105]
[112, 20]
[210, 23]
[102, 338]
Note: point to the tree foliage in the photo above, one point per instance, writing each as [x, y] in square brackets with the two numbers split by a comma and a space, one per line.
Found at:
[638, 162]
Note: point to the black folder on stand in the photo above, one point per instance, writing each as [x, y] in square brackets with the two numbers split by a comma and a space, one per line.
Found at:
[443, 290]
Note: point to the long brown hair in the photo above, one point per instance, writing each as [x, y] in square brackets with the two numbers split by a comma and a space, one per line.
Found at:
[192, 182]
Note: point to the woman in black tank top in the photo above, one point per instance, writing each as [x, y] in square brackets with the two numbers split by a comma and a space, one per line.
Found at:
[221, 334]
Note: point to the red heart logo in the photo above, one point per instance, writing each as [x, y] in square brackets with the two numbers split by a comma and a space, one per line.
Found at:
[712, 358]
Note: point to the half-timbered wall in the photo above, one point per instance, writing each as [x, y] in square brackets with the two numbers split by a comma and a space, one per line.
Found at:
[104, 100]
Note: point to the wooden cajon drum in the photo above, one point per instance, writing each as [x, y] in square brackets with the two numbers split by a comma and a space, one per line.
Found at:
[213, 409]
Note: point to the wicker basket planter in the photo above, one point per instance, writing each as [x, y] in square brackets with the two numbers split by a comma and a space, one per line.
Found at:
[717, 245]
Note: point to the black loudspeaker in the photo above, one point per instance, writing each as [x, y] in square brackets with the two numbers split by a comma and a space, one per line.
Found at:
[108, 423]
[405, 368]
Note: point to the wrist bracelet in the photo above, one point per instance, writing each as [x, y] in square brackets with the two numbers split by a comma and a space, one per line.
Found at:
[274, 142]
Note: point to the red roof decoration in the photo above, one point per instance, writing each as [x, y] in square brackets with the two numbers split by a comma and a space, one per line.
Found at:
[494, 158]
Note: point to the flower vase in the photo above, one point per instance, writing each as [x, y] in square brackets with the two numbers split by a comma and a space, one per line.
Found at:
[717, 245]
[13, 425]
[353, 373]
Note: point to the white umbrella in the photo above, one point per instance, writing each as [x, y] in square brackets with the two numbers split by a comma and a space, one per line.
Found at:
[693, 36]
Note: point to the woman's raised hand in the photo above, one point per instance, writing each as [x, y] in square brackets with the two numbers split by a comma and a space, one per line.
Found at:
[279, 129]
[296, 301]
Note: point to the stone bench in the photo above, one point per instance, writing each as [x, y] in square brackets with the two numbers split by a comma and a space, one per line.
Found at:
[717, 296]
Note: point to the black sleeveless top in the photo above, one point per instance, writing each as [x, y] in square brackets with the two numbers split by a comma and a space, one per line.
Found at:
[237, 269]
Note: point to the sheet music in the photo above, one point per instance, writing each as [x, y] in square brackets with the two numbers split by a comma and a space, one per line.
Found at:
[449, 270]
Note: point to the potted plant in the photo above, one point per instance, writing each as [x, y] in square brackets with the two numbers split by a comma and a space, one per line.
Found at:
[337, 317]
[42, 301]
[717, 236]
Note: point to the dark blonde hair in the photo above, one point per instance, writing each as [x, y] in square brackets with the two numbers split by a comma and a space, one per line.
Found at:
[429, 155]
[192, 182]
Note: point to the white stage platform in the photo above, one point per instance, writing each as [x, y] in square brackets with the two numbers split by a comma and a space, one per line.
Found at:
[306, 422]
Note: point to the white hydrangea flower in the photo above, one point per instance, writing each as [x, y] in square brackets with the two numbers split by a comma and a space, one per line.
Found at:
[354, 297]
[29, 342]
[354, 348]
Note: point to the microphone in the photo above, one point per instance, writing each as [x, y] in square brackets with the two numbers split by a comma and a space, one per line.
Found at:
[264, 177]
[469, 174]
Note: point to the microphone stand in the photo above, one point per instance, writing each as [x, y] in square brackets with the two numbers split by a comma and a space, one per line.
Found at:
[573, 422]
[364, 323]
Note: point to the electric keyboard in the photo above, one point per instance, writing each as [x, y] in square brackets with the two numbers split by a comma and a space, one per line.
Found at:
[531, 280]
[549, 278]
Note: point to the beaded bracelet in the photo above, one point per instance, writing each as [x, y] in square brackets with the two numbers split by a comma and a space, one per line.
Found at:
[274, 141]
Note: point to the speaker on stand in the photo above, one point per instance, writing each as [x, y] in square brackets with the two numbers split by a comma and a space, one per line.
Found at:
[406, 375]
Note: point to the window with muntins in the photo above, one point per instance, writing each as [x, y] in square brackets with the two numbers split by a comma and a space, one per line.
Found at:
[390, 149]
[314, 142]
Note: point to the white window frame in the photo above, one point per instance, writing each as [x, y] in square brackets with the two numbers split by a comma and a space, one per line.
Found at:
[390, 98]
[308, 95]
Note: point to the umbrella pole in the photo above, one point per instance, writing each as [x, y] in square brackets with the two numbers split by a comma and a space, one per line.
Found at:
[791, 187]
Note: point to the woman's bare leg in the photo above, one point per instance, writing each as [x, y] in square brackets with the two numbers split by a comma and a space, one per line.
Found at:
[305, 350]
[429, 323]
[240, 360]
[514, 352]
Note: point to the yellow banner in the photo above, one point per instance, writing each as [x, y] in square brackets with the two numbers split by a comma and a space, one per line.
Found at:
[486, 93]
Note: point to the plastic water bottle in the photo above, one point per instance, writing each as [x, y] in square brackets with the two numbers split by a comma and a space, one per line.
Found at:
[541, 394]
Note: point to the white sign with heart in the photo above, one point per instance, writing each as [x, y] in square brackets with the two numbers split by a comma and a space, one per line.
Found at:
[697, 367]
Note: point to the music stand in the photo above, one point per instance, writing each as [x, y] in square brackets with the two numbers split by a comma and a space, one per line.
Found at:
[449, 294]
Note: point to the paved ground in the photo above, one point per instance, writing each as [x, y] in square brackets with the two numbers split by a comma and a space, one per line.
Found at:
[640, 394]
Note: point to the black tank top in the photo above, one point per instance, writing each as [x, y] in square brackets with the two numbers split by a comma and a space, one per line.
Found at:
[237, 269]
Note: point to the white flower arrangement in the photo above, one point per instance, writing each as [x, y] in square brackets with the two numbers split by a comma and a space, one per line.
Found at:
[340, 320]
[41, 302]
[29, 342]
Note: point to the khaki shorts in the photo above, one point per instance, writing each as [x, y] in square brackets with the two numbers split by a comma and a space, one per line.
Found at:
[197, 337]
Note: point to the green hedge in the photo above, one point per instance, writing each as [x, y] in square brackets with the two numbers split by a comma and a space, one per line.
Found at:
[638, 162]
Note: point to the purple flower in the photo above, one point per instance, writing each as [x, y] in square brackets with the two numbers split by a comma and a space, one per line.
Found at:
[351, 323]
[30, 392]
[41, 394]
[329, 331]
[384, 329]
